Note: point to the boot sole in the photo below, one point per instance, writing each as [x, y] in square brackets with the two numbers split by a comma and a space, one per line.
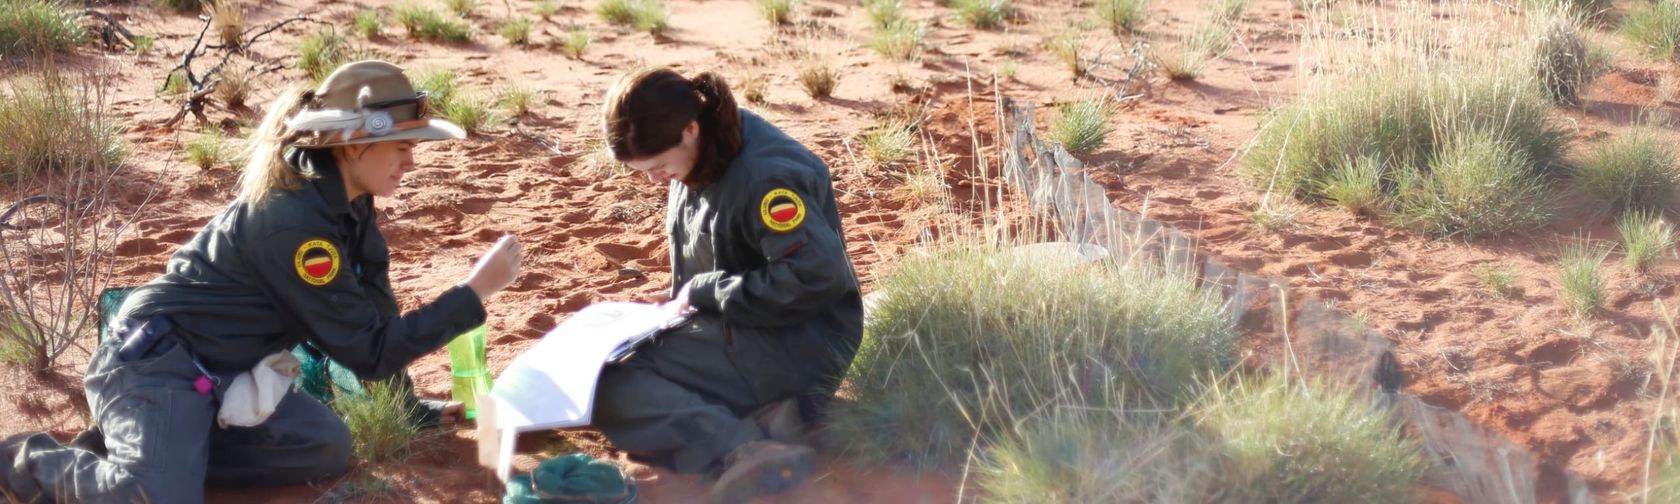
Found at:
[768, 478]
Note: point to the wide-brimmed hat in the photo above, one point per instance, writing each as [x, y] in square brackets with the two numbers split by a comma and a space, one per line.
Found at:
[367, 102]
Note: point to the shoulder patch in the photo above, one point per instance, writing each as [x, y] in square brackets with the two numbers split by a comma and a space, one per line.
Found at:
[316, 262]
[782, 210]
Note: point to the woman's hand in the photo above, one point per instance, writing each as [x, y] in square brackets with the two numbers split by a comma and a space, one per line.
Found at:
[497, 269]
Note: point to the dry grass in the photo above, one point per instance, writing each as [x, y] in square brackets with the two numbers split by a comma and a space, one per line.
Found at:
[32, 27]
[818, 79]
[227, 21]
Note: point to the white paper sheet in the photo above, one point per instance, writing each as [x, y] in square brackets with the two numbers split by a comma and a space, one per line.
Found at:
[552, 384]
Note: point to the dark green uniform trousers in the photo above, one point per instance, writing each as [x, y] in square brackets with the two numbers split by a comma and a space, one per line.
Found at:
[162, 443]
[681, 401]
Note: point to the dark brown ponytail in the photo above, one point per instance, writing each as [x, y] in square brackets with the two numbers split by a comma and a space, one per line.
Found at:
[646, 111]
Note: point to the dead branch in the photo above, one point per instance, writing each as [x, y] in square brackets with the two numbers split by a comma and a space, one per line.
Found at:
[203, 86]
[111, 25]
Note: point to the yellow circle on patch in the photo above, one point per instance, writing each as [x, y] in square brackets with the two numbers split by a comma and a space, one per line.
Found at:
[316, 262]
[782, 210]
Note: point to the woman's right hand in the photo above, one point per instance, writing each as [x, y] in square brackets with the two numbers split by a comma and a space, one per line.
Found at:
[497, 269]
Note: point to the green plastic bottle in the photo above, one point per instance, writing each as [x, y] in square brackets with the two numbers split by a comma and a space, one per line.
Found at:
[470, 369]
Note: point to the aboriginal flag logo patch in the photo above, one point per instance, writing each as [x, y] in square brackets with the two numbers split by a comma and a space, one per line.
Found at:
[316, 262]
[782, 210]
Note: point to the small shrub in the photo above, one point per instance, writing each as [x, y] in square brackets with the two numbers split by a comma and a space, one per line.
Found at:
[777, 12]
[1579, 268]
[1194, 51]
[646, 15]
[883, 13]
[29, 27]
[983, 14]
[174, 84]
[1308, 442]
[577, 41]
[1646, 239]
[322, 51]
[463, 8]
[379, 421]
[1122, 16]
[1356, 185]
[754, 88]
[1009, 69]
[1069, 49]
[898, 41]
[1635, 170]
[517, 99]
[207, 151]
[1654, 28]
[1082, 126]
[1501, 279]
[234, 85]
[1564, 62]
[517, 31]
[546, 9]
[369, 23]
[227, 21]
[426, 24]
[888, 143]
[953, 358]
[818, 79]
[144, 44]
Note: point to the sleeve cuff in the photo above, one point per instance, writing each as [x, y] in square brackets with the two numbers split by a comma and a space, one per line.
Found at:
[702, 292]
[462, 306]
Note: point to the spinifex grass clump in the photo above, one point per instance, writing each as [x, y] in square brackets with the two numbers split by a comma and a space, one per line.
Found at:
[1646, 239]
[1067, 454]
[899, 40]
[646, 15]
[322, 51]
[51, 127]
[888, 143]
[1654, 28]
[777, 12]
[380, 421]
[1564, 62]
[1476, 186]
[1635, 170]
[1082, 126]
[1488, 133]
[1287, 441]
[1195, 49]
[971, 339]
[38, 26]
[983, 14]
[426, 24]
[1122, 16]
[1579, 267]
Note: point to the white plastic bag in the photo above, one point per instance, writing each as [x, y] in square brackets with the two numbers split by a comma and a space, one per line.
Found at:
[255, 394]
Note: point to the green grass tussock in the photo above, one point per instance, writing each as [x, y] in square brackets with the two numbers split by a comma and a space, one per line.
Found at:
[955, 353]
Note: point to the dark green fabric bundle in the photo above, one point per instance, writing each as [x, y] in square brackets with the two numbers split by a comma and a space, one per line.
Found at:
[574, 478]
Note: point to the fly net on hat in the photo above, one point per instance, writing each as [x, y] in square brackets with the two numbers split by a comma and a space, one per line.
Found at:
[366, 102]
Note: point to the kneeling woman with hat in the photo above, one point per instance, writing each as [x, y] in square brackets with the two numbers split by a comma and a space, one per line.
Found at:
[296, 258]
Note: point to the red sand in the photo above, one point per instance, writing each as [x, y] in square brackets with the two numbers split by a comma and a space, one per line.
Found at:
[1577, 395]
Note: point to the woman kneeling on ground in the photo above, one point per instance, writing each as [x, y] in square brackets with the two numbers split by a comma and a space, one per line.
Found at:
[297, 257]
[757, 251]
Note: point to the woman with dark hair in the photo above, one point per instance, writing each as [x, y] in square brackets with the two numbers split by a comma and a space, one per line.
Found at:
[757, 252]
[296, 257]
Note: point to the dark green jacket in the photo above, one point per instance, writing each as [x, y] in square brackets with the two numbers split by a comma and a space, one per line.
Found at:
[763, 248]
[306, 265]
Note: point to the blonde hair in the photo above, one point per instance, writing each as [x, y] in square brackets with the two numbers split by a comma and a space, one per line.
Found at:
[266, 169]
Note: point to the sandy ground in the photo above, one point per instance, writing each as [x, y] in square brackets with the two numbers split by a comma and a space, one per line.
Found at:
[1578, 394]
